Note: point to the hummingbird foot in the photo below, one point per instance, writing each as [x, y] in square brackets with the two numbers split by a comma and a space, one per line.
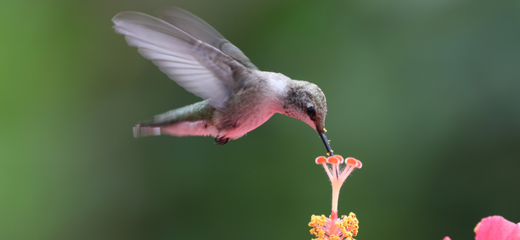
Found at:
[221, 140]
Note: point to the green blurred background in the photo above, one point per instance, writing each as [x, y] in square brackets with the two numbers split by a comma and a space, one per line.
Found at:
[424, 93]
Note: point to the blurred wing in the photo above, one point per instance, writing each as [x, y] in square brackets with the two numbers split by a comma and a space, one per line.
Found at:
[201, 30]
[195, 65]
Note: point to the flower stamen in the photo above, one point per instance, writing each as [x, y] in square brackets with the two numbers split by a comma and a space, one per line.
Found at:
[343, 228]
[338, 173]
[334, 228]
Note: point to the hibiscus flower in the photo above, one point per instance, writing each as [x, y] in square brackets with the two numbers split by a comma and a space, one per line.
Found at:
[496, 228]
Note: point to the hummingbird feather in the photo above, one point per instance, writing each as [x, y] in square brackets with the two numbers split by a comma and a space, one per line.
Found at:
[200, 113]
[199, 67]
[201, 30]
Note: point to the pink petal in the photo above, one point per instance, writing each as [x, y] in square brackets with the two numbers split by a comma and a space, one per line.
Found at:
[497, 228]
[446, 238]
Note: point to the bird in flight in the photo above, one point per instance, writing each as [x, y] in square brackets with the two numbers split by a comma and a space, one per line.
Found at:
[237, 96]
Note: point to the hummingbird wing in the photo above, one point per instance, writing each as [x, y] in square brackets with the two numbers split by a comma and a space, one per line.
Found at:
[196, 65]
[201, 30]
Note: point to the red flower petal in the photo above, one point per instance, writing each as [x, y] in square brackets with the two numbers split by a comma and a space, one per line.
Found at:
[497, 228]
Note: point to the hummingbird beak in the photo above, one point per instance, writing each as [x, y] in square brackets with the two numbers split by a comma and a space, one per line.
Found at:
[326, 142]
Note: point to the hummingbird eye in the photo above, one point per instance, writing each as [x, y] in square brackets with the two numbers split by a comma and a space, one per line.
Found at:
[311, 111]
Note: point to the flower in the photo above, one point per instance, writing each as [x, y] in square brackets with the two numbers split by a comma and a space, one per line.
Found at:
[496, 228]
[334, 228]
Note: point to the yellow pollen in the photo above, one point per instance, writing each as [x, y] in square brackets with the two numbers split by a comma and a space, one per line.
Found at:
[348, 227]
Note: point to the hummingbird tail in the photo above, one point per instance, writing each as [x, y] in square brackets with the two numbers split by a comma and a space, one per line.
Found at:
[146, 131]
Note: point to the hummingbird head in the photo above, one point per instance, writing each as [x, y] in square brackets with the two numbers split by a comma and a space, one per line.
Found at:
[305, 101]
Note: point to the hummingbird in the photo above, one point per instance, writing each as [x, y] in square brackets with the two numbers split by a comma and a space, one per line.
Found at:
[237, 96]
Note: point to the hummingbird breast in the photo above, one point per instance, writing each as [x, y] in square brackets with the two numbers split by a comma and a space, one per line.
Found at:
[256, 99]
